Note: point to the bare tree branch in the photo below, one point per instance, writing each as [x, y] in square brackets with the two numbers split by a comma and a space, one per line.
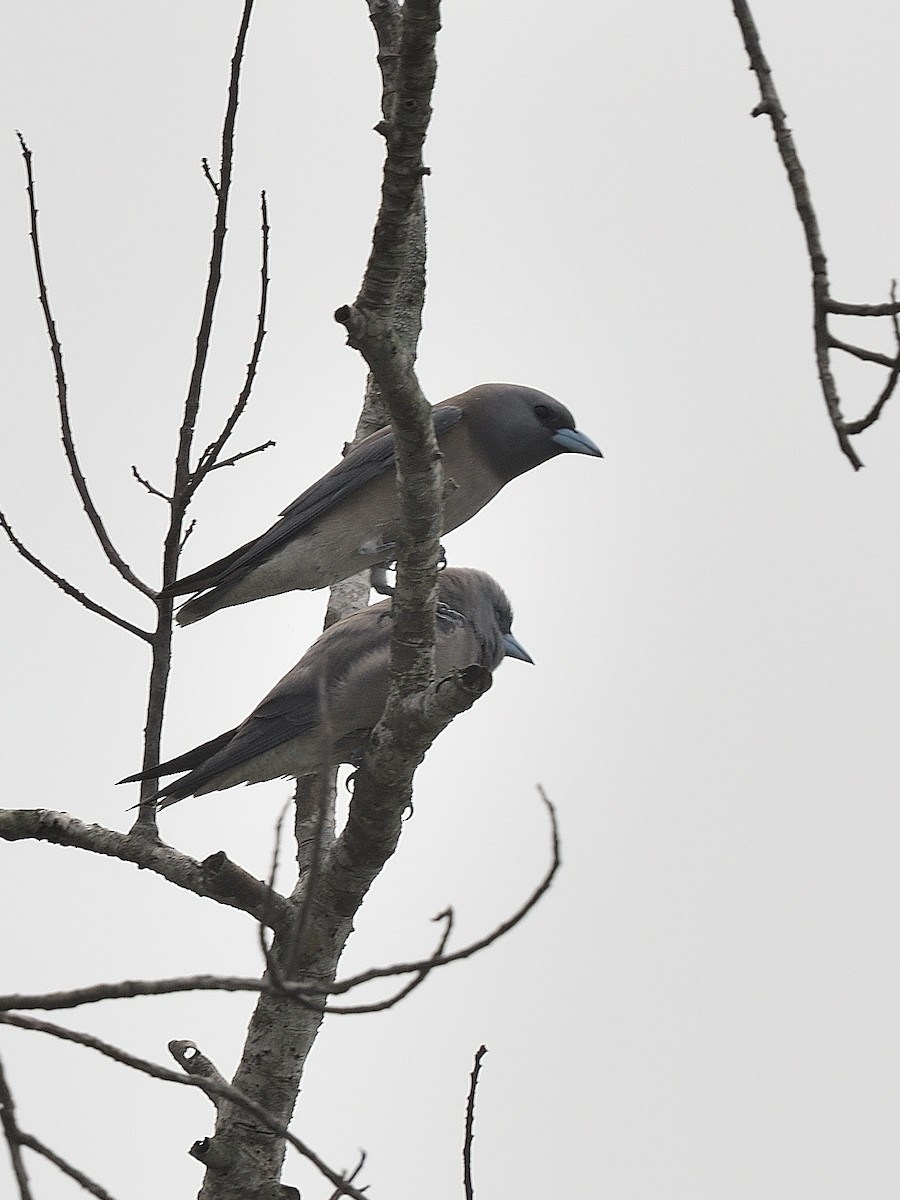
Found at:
[13, 1136]
[214, 879]
[183, 486]
[17, 1138]
[126, 989]
[265, 948]
[69, 589]
[470, 1125]
[209, 457]
[84, 1181]
[823, 305]
[860, 352]
[888, 389]
[149, 486]
[402, 734]
[96, 521]
[302, 993]
[482, 943]
[864, 310]
[312, 926]
[207, 173]
[302, 989]
[236, 458]
[353, 1174]
[280, 1026]
[211, 1086]
[383, 786]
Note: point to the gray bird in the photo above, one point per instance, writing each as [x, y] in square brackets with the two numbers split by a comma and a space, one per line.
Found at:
[345, 670]
[349, 520]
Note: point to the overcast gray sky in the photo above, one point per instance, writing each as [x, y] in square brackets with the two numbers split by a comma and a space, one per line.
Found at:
[706, 1003]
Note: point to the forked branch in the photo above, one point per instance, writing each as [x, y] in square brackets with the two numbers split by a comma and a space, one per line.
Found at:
[209, 459]
[823, 304]
[212, 1086]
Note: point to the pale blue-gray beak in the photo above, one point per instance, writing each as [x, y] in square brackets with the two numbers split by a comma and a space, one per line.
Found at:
[515, 649]
[573, 441]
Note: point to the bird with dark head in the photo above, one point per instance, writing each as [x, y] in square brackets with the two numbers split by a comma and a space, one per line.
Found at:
[322, 712]
[349, 519]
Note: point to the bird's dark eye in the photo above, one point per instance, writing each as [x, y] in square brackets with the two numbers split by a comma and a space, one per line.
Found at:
[541, 411]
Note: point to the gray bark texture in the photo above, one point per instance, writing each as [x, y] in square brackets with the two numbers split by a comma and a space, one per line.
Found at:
[244, 1158]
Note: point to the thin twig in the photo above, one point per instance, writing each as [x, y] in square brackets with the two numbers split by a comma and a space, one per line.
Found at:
[95, 520]
[182, 486]
[888, 390]
[208, 175]
[17, 1138]
[70, 589]
[84, 1181]
[155, 1071]
[236, 458]
[475, 947]
[209, 457]
[426, 965]
[470, 1125]
[187, 533]
[149, 486]
[270, 961]
[823, 305]
[860, 352]
[13, 1136]
[301, 992]
[126, 989]
[337, 1193]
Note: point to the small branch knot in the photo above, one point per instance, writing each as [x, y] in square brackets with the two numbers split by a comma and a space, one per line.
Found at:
[216, 1154]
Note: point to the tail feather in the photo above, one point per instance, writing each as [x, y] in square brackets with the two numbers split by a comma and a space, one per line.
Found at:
[199, 607]
[188, 761]
[207, 577]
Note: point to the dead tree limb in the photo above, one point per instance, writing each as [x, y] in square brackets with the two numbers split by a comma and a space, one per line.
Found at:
[13, 1137]
[470, 1125]
[213, 1085]
[823, 304]
[184, 485]
[62, 394]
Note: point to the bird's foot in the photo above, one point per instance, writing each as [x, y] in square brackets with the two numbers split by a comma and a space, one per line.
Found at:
[379, 578]
[444, 612]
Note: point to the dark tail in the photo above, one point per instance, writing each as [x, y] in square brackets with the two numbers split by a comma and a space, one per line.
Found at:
[185, 762]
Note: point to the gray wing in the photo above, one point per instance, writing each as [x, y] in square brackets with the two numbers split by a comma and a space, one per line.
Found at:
[342, 658]
[371, 458]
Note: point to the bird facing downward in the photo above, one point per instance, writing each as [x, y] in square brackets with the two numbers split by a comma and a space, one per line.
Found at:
[349, 519]
[345, 672]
